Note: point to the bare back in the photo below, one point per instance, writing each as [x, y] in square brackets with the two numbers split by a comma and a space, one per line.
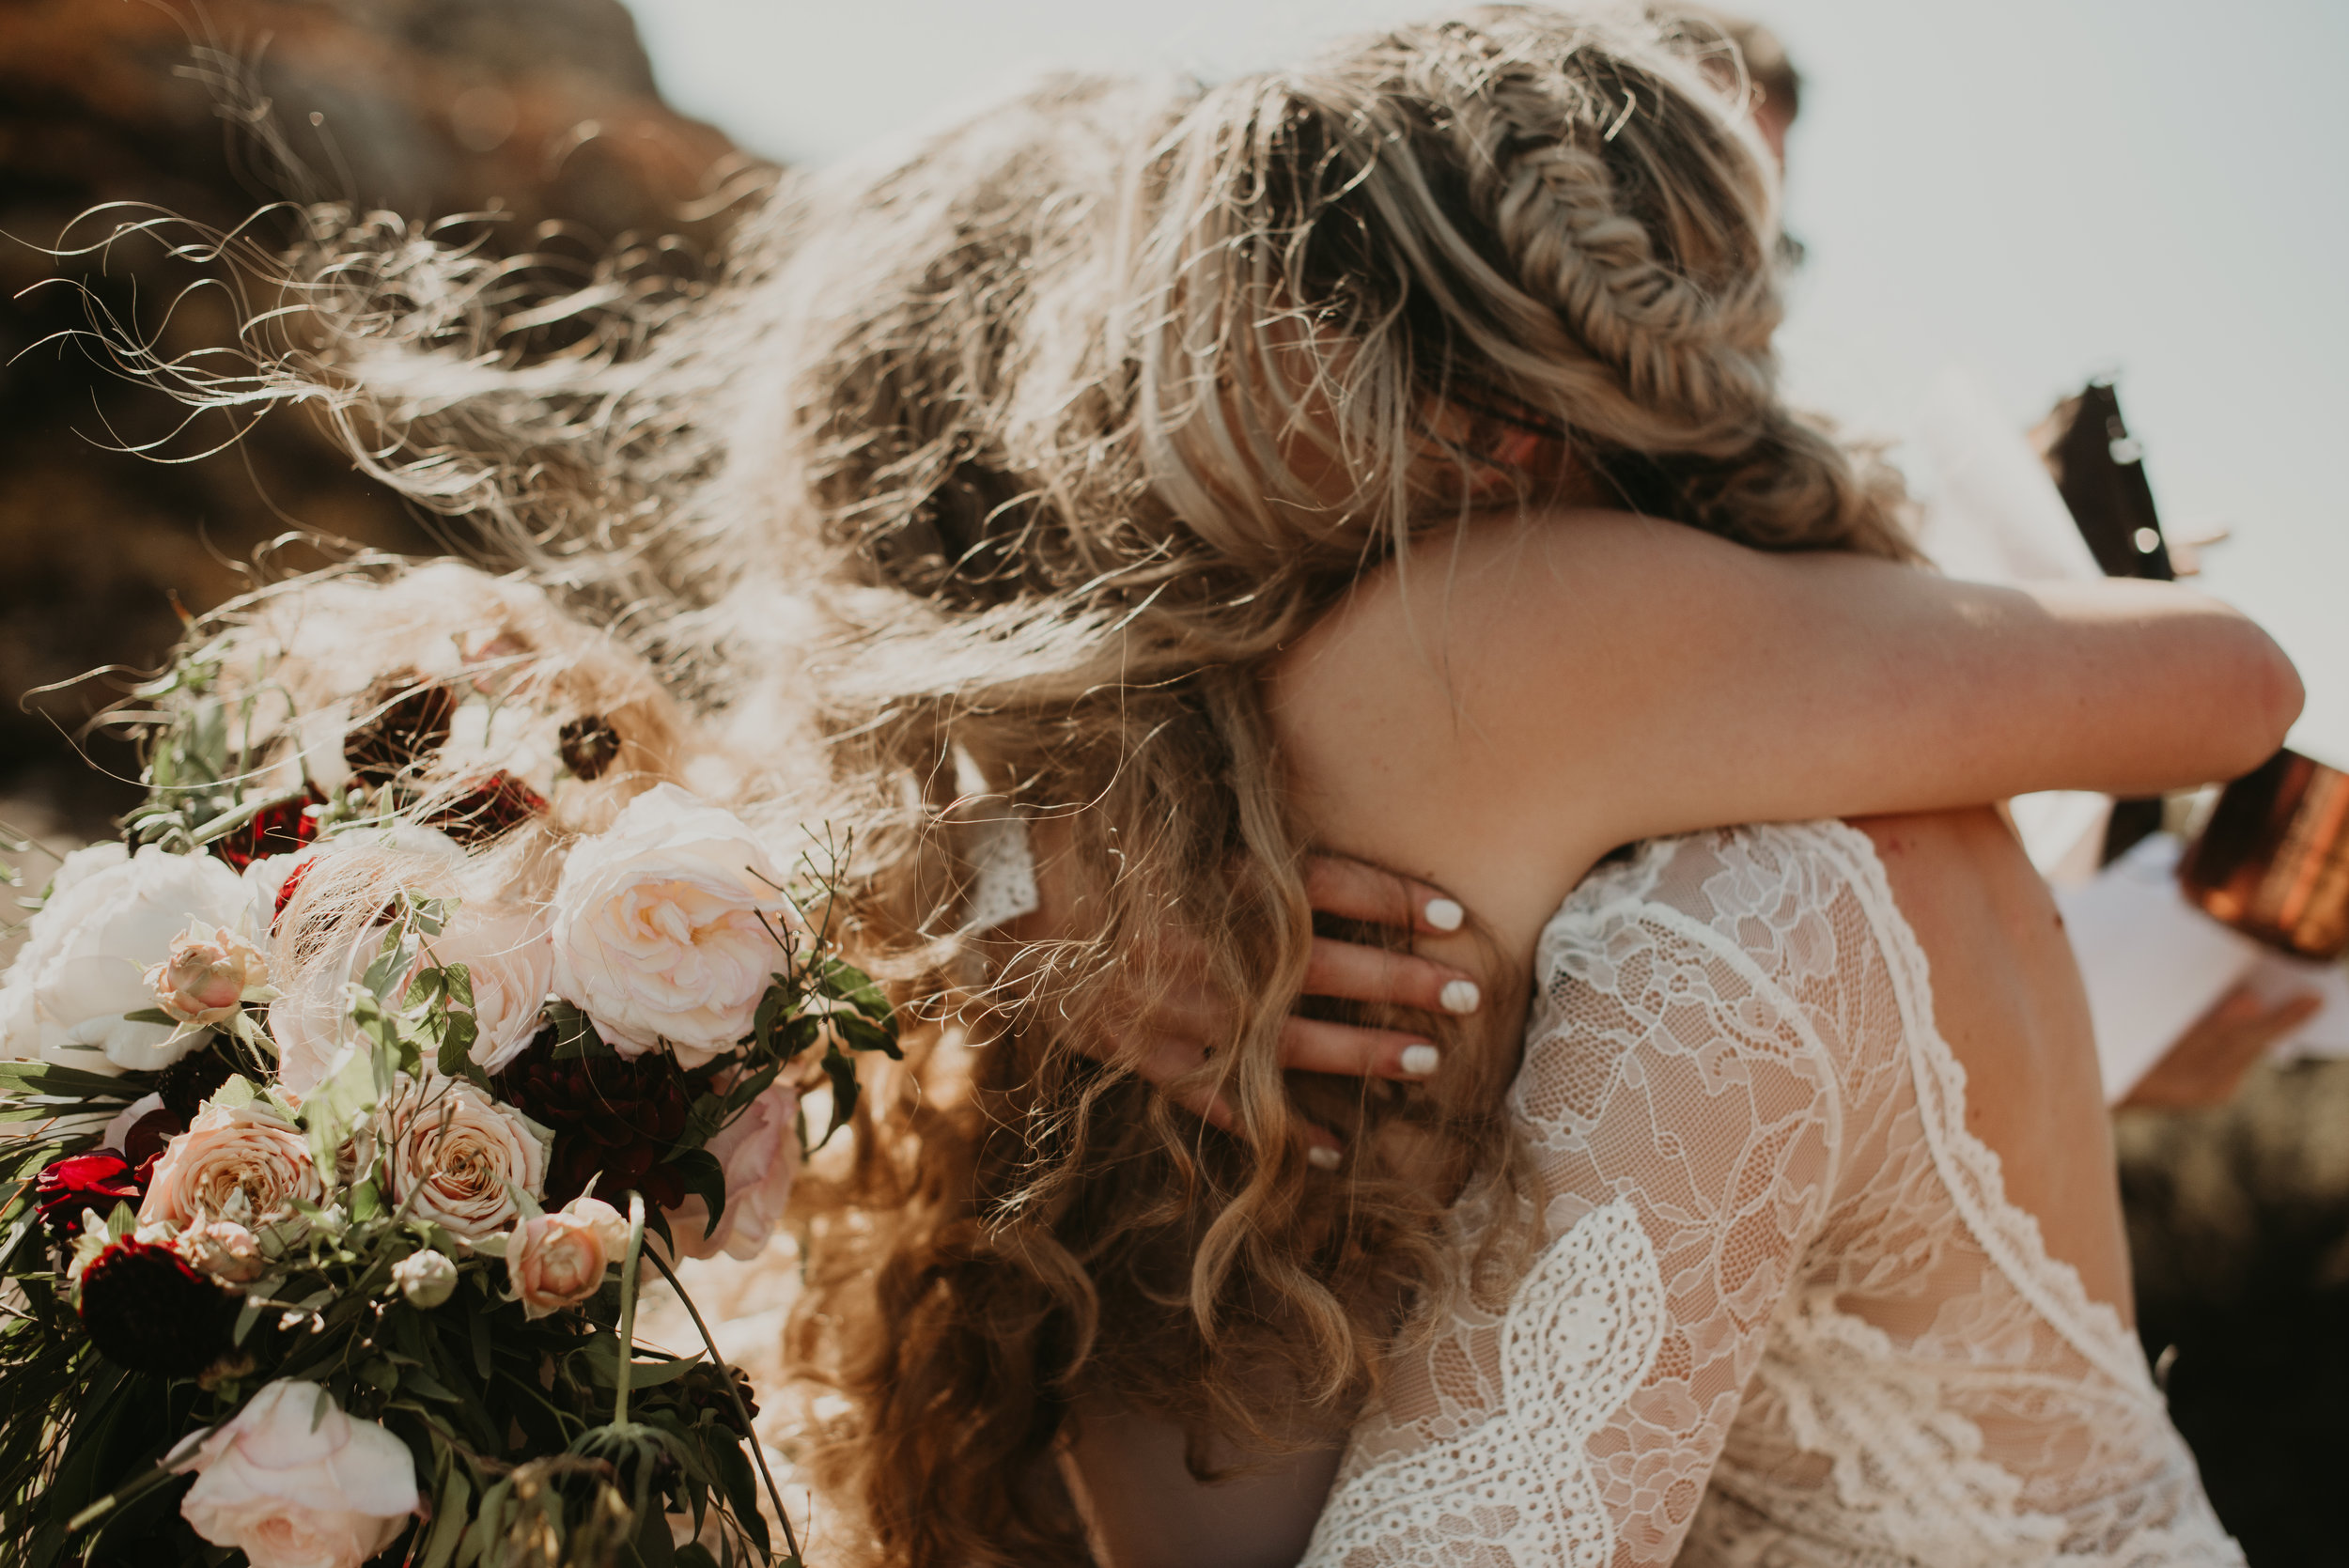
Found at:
[2008, 998]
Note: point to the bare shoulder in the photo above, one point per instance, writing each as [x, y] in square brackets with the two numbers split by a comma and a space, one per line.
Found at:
[1416, 718]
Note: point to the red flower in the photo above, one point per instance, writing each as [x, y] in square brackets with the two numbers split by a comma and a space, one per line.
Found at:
[278, 830]
[285, 891]
[98, 1180]
[498, 804]
[147, 1309]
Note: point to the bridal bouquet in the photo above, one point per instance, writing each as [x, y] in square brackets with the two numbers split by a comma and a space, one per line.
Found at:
[426, 1005]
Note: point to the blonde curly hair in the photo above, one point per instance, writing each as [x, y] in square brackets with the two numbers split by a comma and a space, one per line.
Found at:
[995, 472]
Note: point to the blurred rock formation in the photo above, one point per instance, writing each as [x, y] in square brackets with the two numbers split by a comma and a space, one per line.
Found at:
[544, 110]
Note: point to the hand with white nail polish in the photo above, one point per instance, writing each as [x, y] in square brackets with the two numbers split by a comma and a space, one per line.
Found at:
[1172, 1034]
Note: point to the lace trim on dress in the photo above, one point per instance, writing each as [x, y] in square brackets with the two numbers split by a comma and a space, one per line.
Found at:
[1581, 1333]
[1977, 1181]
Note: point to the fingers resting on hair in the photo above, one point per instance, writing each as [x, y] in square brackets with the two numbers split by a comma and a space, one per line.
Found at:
[1355, 891]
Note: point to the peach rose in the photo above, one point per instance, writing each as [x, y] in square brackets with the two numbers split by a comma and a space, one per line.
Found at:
[207, 975]
[759, 1151]
[293, 1482]
[245, 1162]
[460, 1155]
[553, 1261]
[663, 927]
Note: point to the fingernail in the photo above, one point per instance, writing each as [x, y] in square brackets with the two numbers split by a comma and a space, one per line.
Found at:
[1443, 914]
[1420, 1060]
[1322, 1159]
[1461, 996]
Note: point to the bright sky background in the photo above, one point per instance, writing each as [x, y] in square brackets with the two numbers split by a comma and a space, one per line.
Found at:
[2035, 190]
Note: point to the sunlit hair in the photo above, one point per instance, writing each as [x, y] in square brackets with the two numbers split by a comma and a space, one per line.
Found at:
[993, 471]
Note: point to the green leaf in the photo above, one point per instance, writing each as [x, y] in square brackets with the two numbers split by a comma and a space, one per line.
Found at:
[862, 1034]
[704, 1177]
[477, 1327]
[448, 1518]
[44, 1078]
[840, 1068]
[574, 1033]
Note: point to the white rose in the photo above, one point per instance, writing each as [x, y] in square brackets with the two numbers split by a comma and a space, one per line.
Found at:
[110, 916]
[662, 927]
[293, 1482]
[462, 1155]
[759, 1151]
[509, 959]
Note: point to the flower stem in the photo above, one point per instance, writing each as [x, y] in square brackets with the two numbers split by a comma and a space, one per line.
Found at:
[759, 1454]
[630, 1268]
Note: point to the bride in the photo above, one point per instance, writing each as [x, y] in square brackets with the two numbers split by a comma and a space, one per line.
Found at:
[1385, 457]
[1757, 1279]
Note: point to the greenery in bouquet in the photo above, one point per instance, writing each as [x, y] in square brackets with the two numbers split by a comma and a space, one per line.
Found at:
[423, 1008]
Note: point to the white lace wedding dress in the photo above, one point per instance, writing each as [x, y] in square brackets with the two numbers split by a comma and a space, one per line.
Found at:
[1779, 1312]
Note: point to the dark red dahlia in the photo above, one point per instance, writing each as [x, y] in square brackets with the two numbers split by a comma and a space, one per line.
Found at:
[187, 1084]
[589, 743]
[402, 724]
[278, 830]
[98, 1180]
[146, 1310]
[613, 1118]
[498, 804]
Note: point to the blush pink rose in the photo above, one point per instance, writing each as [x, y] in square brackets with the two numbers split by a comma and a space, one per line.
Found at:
[664, 927]
[206, 975]
[293, 1482]
[553, 1261]
[458, 1156]
[759, 1151]
[243, 1162]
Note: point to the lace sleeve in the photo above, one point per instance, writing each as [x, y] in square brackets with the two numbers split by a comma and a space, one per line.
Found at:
[1681, 1107]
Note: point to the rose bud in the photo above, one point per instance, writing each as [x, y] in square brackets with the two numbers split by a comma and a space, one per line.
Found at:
[426, 1279]
[223, 1249]
[207, 975]
[98, 1180]
[149, 1310]
[553, 1261]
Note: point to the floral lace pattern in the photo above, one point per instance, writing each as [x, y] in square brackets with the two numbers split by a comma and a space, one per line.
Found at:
[1783, 1312]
